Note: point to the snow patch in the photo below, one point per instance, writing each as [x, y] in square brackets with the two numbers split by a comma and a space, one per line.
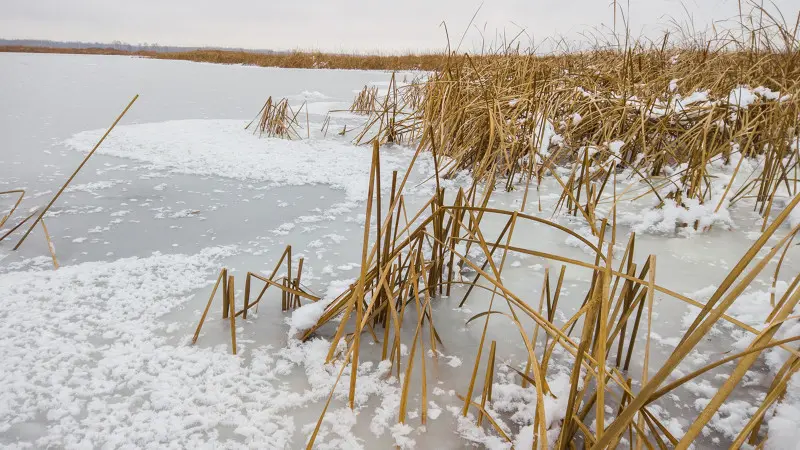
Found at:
[223, 148]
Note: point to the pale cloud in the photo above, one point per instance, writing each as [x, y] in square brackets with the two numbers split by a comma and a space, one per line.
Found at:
[340, 25]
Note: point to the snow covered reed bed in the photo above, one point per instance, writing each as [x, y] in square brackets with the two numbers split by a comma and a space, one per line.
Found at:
[667, 118]
[294, 59]
[664, 112]
[409, 264]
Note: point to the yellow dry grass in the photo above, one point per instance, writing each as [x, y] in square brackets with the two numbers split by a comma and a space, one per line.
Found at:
[661, 112]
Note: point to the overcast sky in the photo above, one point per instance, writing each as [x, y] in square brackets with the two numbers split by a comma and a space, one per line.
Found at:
[331, 25]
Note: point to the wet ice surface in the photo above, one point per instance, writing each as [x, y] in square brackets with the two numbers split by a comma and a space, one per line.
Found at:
[105, 330]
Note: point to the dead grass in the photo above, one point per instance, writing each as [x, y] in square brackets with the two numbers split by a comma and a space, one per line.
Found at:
[293, 59]
[276, 119]
[312, 60]
[583, 119]
[408, 263]
[662, 111]
[70, 51]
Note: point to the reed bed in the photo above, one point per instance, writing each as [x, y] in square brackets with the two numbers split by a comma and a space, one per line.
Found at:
[297, 59]
[408, 263]
[661, 112]
[658, 113]
[402, 275]
[311, 59]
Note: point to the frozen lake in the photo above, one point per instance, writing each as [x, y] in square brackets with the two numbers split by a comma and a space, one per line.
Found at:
[97, 354]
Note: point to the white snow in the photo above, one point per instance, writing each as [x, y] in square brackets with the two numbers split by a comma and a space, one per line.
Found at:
[741, 97]
[222, 148]
[307, 315]
[85, 353]
[784, 426]
[671, 217]
[616, 146]
[82, 351]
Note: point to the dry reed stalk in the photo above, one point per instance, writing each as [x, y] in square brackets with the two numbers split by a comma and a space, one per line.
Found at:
[50, 245]
[231, 312]
[22, 222]
[296, 284]
[223, 276]
[69, 180]
[21, 193]
[374, 175]
[486, 395]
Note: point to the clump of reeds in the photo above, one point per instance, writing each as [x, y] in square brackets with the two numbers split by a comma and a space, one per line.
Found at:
[595, 99]
[365, 100]
[657, 111]
[407, 264]
[392, 117]
[276, 119]
[582, 119]
[291, 293]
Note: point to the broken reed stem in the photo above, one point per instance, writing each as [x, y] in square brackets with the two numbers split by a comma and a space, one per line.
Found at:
[296, 303]
[50, 245]
[232, 312]
[14, 228]
[223, 275]
[21, 193]
[69, 180]
[486, 395]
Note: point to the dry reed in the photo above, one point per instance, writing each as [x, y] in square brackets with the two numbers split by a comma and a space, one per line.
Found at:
[292, 59]
[656, 112]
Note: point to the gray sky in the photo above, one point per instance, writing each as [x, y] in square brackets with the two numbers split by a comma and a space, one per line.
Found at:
[345, 25]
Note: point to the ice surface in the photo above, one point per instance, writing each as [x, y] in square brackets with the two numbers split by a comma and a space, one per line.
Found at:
[97, 352]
